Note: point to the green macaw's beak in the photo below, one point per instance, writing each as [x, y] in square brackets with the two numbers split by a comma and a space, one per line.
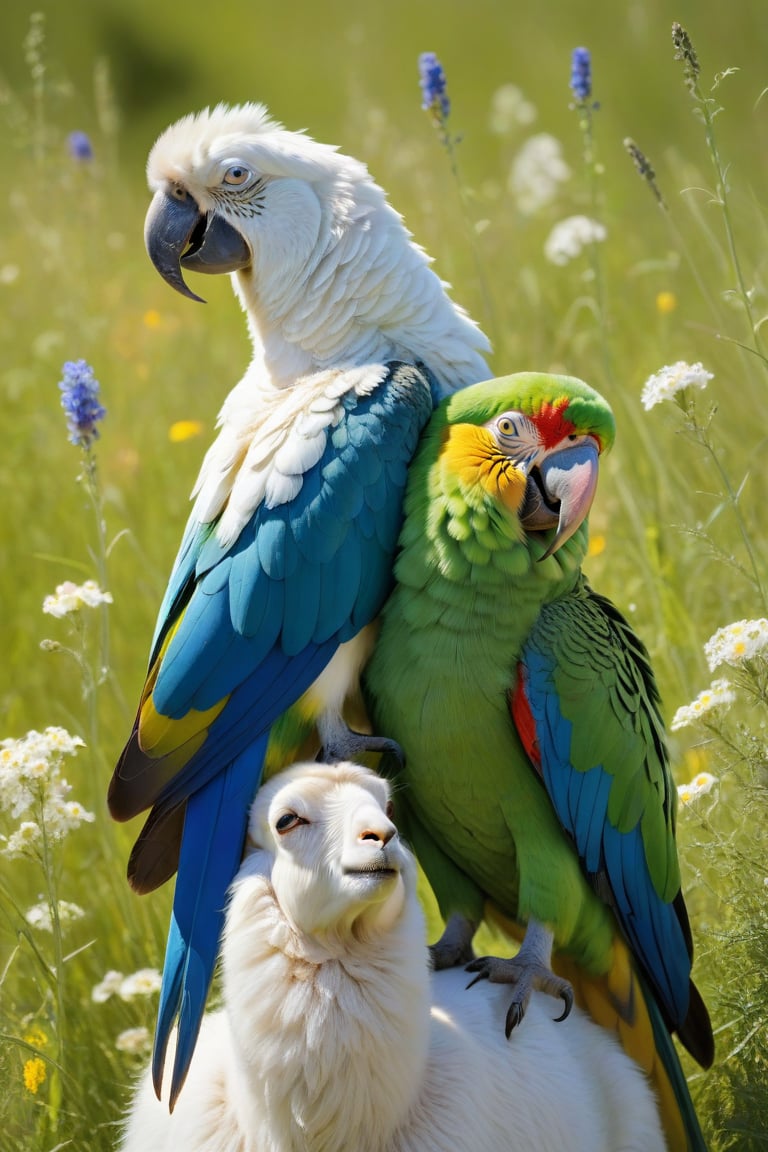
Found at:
[561, 494]
[177, 234]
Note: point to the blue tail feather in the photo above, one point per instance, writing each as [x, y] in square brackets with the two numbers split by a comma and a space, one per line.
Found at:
[211, 850]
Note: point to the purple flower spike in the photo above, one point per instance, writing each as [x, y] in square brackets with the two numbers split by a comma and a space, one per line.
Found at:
[80, 401]
[581, 74]
[433, 87]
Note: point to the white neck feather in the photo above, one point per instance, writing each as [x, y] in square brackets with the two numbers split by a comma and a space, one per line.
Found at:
[331, 1035]
[367, 294]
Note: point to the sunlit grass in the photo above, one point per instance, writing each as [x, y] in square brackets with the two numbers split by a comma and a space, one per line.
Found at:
[679, 524]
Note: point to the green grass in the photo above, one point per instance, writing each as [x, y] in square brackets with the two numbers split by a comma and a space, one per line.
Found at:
[679, 555]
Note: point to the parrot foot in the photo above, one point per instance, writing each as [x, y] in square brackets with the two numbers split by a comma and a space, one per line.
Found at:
[530, 969]
[455, 945]
[339, 742]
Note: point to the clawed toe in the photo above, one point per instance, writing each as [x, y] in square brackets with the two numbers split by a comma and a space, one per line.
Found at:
[342, 743]
[526, 977]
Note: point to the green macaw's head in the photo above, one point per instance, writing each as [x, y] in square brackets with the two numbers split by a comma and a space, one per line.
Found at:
[529, 443]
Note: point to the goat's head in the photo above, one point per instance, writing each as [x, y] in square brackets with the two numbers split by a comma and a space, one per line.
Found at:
[336, 862]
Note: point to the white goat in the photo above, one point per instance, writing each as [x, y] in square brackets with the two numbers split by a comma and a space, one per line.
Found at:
[334, 1037]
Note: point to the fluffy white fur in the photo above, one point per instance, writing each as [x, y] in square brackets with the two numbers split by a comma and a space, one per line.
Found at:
[333, 1036]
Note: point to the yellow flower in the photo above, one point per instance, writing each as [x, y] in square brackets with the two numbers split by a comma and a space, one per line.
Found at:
[666, 302]
[152, 318]
[34, 1074]
[596, 545]
[36, 1037]
[185, 430]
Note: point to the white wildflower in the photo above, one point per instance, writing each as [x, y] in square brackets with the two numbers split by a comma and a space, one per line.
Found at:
[107, 987]
[39, 915]
[570, 237]
[509, 107]
[719, 695]
[702, 783]
[671, 379]
[24, 841]
[63, 816]
[537, 172]
[59, 740]
[31, 784]
[70, 597]
[142, 983]
[133, 1040]
[736, 643]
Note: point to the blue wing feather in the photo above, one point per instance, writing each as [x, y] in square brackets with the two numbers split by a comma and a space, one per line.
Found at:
[246, 629]
[563, 652]
[214, 834]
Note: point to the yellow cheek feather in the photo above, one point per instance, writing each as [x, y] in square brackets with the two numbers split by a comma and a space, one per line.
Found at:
[471, 457]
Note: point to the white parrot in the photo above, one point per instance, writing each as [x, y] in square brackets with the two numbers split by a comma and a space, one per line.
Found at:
[287, 555]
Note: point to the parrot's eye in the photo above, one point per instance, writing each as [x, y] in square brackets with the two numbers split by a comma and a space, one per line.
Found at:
[237, 175]
[287, 822]
[506, 426]
[389, 809]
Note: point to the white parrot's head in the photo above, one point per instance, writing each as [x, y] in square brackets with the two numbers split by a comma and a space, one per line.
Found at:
[234, 190]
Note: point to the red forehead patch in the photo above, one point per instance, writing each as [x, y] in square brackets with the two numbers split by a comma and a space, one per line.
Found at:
[552, 424]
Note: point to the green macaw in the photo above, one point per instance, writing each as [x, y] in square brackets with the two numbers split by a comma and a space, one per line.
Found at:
[536, 780]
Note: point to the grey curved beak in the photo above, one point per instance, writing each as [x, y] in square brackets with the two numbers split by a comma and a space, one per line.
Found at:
[569, 479]
[177, 234]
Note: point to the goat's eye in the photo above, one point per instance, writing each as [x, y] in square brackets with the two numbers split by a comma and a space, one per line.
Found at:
[287, 822]
[390, 809]
[237, 175]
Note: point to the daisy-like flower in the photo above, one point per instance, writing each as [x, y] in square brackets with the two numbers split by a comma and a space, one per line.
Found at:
[133, 1040]
[39, 915]
[537, 172]
[66, 815]
[31, 785]
[24, 841]
[701, 784]
[570, 237]
[142, 983]
[718, 695]
[70, 597]
[80, 401]
[509, 109]
[107, 987]
[736, 643]
[670, 380]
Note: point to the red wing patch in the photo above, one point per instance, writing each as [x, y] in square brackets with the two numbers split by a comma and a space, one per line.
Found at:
[522, 718]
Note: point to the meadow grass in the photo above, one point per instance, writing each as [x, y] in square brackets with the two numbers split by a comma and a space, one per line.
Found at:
[675, 271]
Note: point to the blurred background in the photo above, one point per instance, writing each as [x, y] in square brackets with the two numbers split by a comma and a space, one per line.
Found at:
[669, 545]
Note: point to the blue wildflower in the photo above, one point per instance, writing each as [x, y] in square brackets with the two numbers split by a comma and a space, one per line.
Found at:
[433, 85]
[581, 74]
[80, 401]
[79, 146]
